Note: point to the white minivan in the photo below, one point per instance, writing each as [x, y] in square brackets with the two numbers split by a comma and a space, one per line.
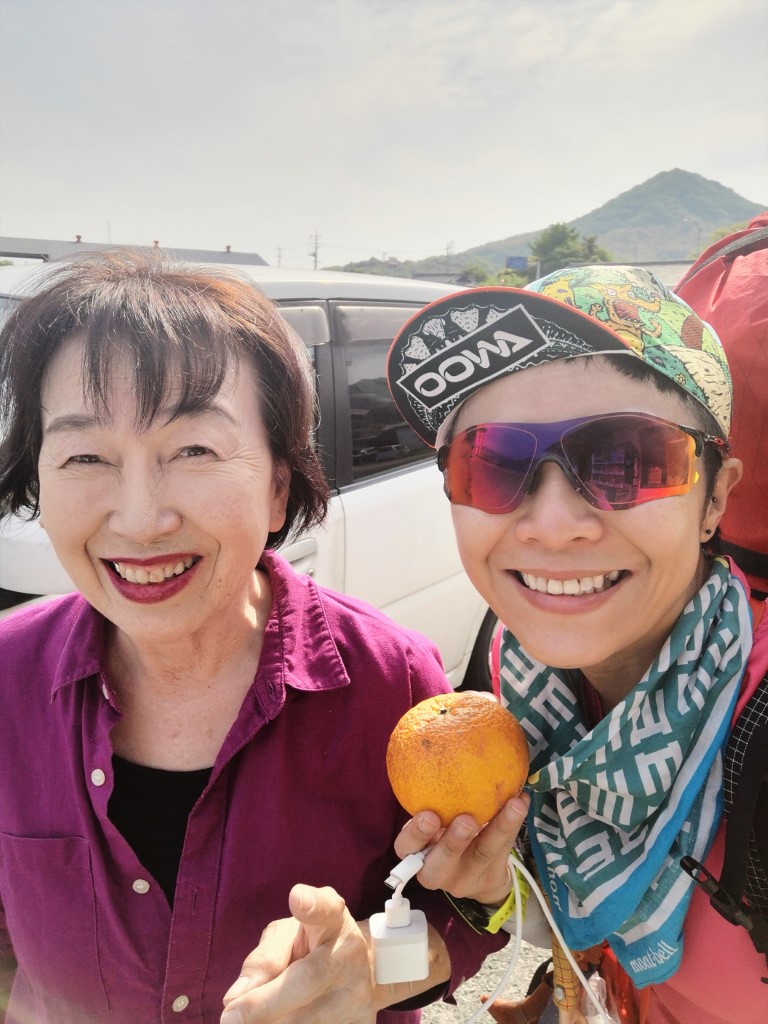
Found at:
[388, 538]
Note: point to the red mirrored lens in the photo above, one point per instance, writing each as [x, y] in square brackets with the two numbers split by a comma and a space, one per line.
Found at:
[628, 460]
[487, 466]
[614, 461]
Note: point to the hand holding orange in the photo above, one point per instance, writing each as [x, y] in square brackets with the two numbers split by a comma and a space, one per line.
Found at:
[457, 753]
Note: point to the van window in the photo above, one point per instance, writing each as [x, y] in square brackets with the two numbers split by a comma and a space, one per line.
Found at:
[381, 439]
[309, 322]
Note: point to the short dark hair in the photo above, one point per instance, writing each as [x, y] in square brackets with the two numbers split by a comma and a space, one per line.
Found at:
[176, 322]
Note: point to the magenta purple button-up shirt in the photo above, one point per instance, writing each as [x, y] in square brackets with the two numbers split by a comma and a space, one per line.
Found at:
[298, 793]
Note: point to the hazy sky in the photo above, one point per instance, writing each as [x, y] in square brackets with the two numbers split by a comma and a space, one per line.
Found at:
[395, 127]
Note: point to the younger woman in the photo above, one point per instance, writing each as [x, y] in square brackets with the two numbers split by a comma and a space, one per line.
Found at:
[581, 427]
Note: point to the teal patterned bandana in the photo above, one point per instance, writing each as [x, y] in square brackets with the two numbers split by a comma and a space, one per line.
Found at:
[614, 810]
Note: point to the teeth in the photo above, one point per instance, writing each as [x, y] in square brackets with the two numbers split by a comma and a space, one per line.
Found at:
[157, 574]
[574, 587]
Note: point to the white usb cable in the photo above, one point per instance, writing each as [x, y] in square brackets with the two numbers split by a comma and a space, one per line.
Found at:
[400, 941]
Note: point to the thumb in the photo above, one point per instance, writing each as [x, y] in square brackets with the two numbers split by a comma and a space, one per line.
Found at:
[320, 911]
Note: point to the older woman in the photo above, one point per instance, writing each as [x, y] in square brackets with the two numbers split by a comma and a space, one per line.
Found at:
[197, 729]
[581, 428]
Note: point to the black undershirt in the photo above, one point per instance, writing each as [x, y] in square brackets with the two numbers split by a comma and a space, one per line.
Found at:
[150, 808]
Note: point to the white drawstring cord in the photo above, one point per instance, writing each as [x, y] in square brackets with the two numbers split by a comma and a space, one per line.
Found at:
[515, 951]
[516, 866]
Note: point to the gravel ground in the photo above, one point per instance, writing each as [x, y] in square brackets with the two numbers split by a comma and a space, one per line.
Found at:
[484, 982]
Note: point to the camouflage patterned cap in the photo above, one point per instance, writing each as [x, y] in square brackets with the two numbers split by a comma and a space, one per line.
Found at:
[458, 344]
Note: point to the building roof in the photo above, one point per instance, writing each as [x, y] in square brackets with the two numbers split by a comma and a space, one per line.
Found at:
[51, 249]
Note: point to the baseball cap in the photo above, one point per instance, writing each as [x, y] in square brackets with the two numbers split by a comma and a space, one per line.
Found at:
[461, 342]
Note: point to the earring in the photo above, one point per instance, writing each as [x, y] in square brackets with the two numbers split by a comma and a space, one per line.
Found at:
[708, 531]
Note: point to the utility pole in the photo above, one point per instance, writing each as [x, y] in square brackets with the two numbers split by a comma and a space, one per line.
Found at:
[279, 255]
[313, 241]
[449, 250]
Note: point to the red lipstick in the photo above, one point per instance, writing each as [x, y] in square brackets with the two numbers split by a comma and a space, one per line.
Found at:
[150, 593]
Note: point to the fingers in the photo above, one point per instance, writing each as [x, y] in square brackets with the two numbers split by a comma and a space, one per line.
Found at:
[268, 960]
[471, 862]
[423, 829]
[443, 863]
[321, 911]
[293, 973]
[501, 831]
[282, 998]
[287, 997]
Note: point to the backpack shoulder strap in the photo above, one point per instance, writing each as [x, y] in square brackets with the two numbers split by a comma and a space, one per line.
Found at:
[741, 893]
[745, 772]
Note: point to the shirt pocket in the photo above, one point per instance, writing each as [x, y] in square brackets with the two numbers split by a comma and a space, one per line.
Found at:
[48, 894]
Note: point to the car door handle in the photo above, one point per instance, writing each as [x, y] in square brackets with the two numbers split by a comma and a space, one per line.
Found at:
[302, 548]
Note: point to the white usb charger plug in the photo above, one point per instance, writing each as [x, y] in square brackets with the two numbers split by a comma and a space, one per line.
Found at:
[399, 935]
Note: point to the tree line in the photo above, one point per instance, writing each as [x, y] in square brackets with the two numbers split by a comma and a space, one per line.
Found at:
[557, 246]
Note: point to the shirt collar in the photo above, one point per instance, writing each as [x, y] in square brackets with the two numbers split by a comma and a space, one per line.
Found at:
[298, 643]
[83, 648]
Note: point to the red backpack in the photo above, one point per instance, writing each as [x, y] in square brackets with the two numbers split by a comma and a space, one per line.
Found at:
[728, 287]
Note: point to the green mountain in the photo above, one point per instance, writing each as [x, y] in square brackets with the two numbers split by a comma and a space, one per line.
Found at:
[669, 217]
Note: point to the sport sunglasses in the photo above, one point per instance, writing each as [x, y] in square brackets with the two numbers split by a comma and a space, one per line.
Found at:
[615, 461]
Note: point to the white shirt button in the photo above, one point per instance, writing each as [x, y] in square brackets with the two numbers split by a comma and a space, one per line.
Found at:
[141, 885]
[180, 1003]
[98, 778]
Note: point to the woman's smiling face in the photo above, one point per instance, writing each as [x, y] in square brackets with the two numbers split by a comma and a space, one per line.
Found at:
[160, 527]
[578, 586]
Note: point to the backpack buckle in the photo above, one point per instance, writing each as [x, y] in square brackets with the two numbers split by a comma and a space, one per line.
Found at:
[734, 911]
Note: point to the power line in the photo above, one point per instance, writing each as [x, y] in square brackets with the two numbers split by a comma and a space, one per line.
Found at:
[390, 249]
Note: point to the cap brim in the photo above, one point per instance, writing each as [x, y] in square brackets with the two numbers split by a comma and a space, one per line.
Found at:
[458, 344]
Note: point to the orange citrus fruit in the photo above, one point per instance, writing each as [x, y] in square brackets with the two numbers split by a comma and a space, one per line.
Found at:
[457, 753]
